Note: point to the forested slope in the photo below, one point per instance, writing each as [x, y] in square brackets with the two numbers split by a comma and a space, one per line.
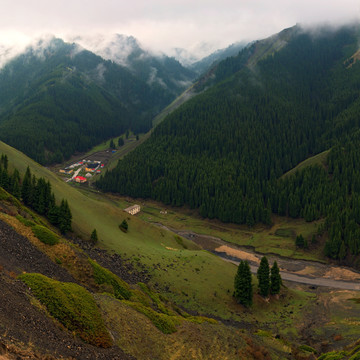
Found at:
[277, 103]
[57, 98]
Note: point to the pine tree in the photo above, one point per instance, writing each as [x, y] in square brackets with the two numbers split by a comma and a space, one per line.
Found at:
[112, 144]
[275, 279]
[243, 284]
[120, 142]
[124, 226]
[263, 275]
[94, 237]
[26, 189]
[65, 217]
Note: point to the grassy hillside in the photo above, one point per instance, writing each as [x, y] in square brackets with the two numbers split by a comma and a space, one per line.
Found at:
[319, 159]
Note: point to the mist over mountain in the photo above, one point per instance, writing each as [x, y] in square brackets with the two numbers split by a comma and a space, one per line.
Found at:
[57, 98]
[207, 62]
[258, 115]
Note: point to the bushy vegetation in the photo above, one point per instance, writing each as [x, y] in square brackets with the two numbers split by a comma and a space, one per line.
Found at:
[103, 276]
[72, 305]
[45, 235]
[165, 323]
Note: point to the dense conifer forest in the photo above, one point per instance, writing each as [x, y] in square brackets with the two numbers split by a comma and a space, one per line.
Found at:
[225, 151]
[57, 99]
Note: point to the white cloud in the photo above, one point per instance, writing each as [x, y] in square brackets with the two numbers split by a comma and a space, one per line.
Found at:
[163, 25]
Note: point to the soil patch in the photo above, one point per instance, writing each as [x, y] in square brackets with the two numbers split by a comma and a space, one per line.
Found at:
[240, 254]
[18, 254]
[23, 323]
[338, 273]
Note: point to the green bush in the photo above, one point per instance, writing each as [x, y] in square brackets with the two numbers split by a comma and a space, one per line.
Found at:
[45, 235]
[72, 305]
[307, 348]
[24, 221]
[104, 276]
[163, 322]
[355, 356]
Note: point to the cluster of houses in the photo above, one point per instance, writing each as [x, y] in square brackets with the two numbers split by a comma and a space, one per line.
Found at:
[83, 170]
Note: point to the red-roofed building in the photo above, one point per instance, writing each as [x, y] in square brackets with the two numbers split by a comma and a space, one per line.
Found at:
[80, 179]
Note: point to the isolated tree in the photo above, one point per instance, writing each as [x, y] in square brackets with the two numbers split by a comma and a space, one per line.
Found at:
[263, 275]
[127, 133]
[94, 237]
[243, 284]
[124, 226]
[137, 137]
[300, 242]
[275, 279]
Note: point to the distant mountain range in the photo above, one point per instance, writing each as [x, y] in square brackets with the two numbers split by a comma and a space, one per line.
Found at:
[57, 98]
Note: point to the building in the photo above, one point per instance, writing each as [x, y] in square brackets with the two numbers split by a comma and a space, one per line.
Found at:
[80, 179]
[66, 171]
[91, 167]
[133, 209]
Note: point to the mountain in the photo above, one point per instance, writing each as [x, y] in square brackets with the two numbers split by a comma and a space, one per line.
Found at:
[258, 115]
[57, 98]
[209, 61]
[156, 69]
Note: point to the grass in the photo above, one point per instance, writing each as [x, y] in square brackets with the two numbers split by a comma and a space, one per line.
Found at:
[72, 305]
[135, 334]
[103, 276]
[45, 235]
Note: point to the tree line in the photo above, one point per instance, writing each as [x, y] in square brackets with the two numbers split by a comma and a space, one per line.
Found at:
[269, 281]
[225, 151]
[36, 194]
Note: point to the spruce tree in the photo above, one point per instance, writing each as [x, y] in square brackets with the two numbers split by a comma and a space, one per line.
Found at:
[27, 189]
[263, 275]
[243, 284]
[94, 237]
[275, 279]
[64, 217]
[124, 226]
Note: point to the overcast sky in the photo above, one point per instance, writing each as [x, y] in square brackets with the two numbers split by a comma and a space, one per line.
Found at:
[164, 24]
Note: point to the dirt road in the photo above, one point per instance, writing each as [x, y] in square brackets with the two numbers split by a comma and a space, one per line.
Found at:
[299, 271]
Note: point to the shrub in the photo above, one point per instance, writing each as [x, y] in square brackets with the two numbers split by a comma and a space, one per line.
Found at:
[24, 221]
[72, 305]
[164, 323]
[104, 276]
[45, 235]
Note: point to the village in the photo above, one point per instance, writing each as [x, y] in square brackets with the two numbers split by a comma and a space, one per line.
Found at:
[82, 171]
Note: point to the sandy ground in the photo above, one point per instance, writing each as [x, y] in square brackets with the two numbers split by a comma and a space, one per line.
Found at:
[240, 254]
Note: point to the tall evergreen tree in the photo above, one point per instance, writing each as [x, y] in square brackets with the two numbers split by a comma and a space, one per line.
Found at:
[275, 279]
[243, 284]
[65, 217]
[263, 275]
[27, 189]
[94, 237]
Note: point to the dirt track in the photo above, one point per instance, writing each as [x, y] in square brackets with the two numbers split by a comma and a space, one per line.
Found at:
[300, 271]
